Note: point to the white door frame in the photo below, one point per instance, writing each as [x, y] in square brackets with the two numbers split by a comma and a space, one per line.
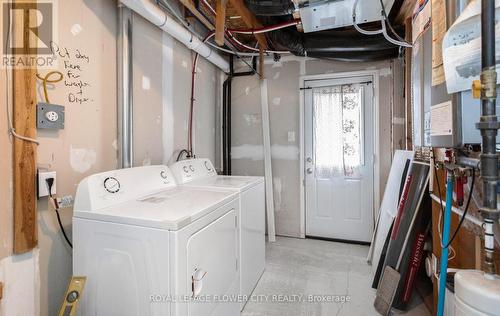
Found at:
[376, 132]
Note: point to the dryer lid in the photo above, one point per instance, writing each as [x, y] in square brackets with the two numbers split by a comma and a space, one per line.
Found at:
[167, 209]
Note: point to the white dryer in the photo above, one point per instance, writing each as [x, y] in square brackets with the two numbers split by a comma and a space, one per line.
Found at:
[200, 173]
[150, 247]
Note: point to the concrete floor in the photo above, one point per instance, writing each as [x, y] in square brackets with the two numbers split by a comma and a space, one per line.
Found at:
[315, 267]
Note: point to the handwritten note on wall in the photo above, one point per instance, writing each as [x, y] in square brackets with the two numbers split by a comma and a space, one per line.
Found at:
[74, 62]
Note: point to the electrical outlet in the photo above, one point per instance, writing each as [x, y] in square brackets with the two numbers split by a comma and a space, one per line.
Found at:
[43, 189]
[50, 116]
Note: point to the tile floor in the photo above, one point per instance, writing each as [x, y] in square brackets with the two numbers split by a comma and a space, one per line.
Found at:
[314, 267]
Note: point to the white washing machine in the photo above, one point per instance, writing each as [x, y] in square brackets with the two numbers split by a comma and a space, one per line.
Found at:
[150, 247]
[200, 173]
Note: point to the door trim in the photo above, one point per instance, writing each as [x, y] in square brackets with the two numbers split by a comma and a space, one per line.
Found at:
[375, 74]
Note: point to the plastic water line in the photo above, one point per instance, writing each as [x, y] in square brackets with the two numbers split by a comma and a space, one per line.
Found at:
[445, 241]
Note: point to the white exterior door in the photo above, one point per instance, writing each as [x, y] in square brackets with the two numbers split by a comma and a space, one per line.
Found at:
[339, 154]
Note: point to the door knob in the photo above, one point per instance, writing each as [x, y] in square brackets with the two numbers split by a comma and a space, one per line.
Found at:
[309, 170]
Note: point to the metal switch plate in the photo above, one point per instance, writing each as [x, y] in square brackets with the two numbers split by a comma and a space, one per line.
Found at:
[49, 116]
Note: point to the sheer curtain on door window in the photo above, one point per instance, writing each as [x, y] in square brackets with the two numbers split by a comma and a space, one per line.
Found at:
[337, 131]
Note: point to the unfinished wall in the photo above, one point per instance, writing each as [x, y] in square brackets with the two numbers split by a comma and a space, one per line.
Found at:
[177, 65]
[6, 229]
[86, 47]
[20, 295]
[147, 93]
[283, 94]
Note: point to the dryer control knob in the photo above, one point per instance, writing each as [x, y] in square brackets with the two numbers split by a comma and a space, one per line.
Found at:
[112, 185]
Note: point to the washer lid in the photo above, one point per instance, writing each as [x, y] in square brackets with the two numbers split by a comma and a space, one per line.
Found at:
[240, 183]
[169, 209]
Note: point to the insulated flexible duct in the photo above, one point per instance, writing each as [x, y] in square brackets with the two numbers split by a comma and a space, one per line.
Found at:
[270, 8]
[335, 44]
[340, 44]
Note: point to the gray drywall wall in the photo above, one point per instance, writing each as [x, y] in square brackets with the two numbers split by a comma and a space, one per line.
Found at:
[177, 89]
[88, 143]
[147, 93]
[283, 96]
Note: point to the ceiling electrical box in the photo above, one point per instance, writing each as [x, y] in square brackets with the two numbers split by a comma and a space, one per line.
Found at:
[319, 15]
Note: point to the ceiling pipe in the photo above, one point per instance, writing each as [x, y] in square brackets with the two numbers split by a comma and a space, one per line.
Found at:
[154, 14]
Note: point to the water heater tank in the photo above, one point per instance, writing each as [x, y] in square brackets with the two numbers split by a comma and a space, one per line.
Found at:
[476, 294]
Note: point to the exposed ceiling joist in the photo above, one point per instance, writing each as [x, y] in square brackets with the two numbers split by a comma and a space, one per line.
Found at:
[189, 4]
[220, 21]
[250, 20]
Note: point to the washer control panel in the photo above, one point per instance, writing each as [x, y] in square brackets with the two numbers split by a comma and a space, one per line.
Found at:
[191, 169]
[117, 186]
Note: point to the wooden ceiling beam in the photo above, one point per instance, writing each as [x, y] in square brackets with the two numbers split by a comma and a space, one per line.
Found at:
[220, 21]
[250, 20]
[189, 4]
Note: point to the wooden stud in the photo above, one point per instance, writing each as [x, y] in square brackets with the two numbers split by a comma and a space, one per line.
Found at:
[189, 4]
[1, 290]
[250, 20]
[220, 21]
[477, 253]
[408, 86]
[24, 119]
[268, 169]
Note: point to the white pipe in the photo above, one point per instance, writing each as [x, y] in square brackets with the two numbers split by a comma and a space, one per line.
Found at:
[154, 14]
[458, 211]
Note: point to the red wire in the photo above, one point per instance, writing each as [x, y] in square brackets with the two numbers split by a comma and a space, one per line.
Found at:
[191, 107]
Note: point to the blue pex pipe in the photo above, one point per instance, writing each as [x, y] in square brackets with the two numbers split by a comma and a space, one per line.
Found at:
[445, 240]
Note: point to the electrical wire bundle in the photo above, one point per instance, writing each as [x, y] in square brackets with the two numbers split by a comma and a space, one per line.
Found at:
[50, 183]
[384, 20]
[464, 215]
